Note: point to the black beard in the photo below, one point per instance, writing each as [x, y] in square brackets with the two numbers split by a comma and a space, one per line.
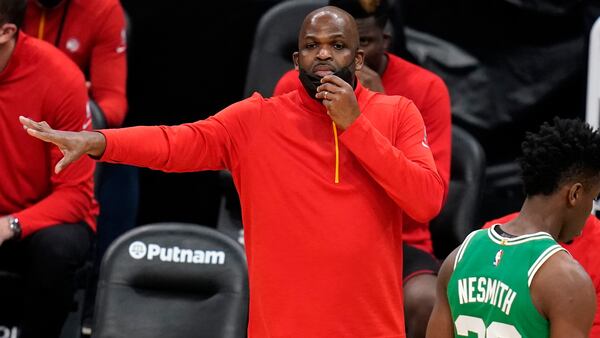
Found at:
[310, 82]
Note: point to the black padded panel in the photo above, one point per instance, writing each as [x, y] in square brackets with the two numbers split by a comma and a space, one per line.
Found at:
[98, 118]
[177, 280]
[11, 308]
[98, 122]
[458, 216]
[275, 40]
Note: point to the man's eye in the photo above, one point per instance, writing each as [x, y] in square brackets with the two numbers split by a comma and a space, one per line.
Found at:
[311, 45]
[364, 42]
[338, 46]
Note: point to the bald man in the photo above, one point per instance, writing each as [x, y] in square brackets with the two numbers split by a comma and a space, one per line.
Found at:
[324, 174]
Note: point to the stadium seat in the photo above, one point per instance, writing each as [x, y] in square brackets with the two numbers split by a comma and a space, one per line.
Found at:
[172, 280]
[275, 40]
[98, 122]
[458, 216]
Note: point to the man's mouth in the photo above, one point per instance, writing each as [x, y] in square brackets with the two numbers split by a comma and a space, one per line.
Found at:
[323, 70]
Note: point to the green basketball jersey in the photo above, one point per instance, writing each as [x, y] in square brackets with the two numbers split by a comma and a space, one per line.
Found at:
[488, 291]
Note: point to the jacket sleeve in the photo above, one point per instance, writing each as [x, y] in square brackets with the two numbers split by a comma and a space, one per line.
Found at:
[211, 144]
[71, 197]
[404, 167]
[108, 66]
[437, 118]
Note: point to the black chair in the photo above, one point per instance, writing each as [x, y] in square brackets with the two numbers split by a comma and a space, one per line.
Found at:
[459, 215]
[11, 300]
[98, 122]
[172, 280]
[275, 40]
[229, 220]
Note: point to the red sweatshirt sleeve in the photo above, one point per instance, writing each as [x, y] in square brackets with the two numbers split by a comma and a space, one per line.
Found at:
[437, 117]
[72, 191]
[210, 144]
[108, 67]
[405, 168]
[288, 83]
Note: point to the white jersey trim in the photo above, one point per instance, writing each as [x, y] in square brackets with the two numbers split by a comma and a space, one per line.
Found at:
[541, 260]
[462, 248]
[499, 239]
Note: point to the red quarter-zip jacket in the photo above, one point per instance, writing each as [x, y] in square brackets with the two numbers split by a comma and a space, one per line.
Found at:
[430, 95]
[94, 37]
[323, 257]
[43, 84]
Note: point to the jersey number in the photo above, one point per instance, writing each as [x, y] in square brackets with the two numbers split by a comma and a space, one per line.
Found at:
[465, 324]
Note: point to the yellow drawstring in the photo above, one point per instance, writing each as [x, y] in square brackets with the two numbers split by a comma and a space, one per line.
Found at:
[337, 154]
[40, 34]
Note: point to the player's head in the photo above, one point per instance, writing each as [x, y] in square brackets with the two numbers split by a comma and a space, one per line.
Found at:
[12, 13]
[327, 44]
[371, 18]
[563, 159]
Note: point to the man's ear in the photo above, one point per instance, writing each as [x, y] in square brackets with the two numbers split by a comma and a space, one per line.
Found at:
[7, 32]
[295, 59]
[575, 194]
[359, 59]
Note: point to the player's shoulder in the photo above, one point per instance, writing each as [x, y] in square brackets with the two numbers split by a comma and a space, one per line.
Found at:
[561, 286]
[563, 272]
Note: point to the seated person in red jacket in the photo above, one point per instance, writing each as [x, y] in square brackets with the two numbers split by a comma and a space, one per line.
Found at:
[92, 33]
[46, 219]
[387, 73]
[324, 174]
[584, 248]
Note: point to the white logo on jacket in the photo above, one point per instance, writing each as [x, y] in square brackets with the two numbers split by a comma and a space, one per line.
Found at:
[123, 46]
[424, 142]
[72, 45]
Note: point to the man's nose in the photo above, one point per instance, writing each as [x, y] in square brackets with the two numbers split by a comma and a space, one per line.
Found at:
[324, 53]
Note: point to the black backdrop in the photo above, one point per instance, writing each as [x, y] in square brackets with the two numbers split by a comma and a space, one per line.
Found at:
[187, 60]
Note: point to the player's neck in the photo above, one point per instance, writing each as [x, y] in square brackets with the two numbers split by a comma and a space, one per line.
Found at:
[6, 51]
[537, 214]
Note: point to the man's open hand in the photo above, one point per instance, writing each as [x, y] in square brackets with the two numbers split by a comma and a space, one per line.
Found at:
[72, 144]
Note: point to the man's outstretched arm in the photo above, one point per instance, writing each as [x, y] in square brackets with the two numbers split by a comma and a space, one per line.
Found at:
[211, 144]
